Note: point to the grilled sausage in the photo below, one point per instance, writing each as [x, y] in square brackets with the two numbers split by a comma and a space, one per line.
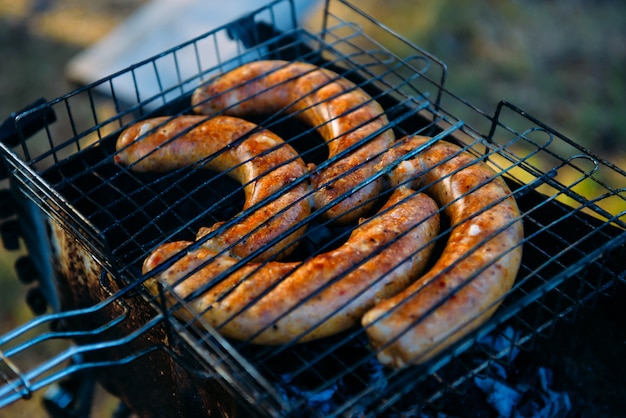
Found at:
[263, 163]
[474, 272]
[280, 302]
[343, 114]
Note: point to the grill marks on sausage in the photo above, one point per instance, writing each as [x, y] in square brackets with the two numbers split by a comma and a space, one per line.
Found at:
[280, 302]
[347, 118]
[262, 162]
[368, 278]
[475, 270]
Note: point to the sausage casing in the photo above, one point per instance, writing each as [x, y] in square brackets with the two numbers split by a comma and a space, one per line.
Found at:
[347, 118]
[261, 161]
[476, 269]
[282, 302]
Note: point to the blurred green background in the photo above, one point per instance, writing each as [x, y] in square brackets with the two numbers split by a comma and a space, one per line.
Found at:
[563, 61]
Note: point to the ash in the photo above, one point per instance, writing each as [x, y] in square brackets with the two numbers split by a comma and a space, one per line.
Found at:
[532, 397]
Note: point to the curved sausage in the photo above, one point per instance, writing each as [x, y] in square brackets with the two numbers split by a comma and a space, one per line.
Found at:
[261, 161]
[343, 114]
[280, 302]
[476, 269]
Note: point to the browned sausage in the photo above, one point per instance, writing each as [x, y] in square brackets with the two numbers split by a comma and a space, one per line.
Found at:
[476, 269]
[259, 159]
[343, 114]
[280, 302]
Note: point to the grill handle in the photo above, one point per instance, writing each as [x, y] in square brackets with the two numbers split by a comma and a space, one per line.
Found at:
[26, 122]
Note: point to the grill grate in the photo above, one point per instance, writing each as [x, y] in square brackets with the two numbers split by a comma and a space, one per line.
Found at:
[117, 217]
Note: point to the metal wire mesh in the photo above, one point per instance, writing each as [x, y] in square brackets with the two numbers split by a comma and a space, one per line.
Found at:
[118, 216]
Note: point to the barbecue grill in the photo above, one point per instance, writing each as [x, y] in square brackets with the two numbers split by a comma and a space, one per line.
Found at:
[89, 224]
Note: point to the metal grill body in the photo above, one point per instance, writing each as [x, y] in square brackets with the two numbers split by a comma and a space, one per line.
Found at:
[99, 221]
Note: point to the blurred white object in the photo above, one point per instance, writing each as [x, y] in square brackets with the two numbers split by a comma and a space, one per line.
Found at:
[164, 24]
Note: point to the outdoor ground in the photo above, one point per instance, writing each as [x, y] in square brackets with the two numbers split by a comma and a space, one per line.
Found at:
[562, 61]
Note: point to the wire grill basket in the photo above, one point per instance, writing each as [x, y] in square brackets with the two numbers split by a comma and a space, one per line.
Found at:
[112, 217]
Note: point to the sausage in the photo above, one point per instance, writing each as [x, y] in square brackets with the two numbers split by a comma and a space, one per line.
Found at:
[476, 268]
[281, 302]
[261, 161]
[343, 114]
